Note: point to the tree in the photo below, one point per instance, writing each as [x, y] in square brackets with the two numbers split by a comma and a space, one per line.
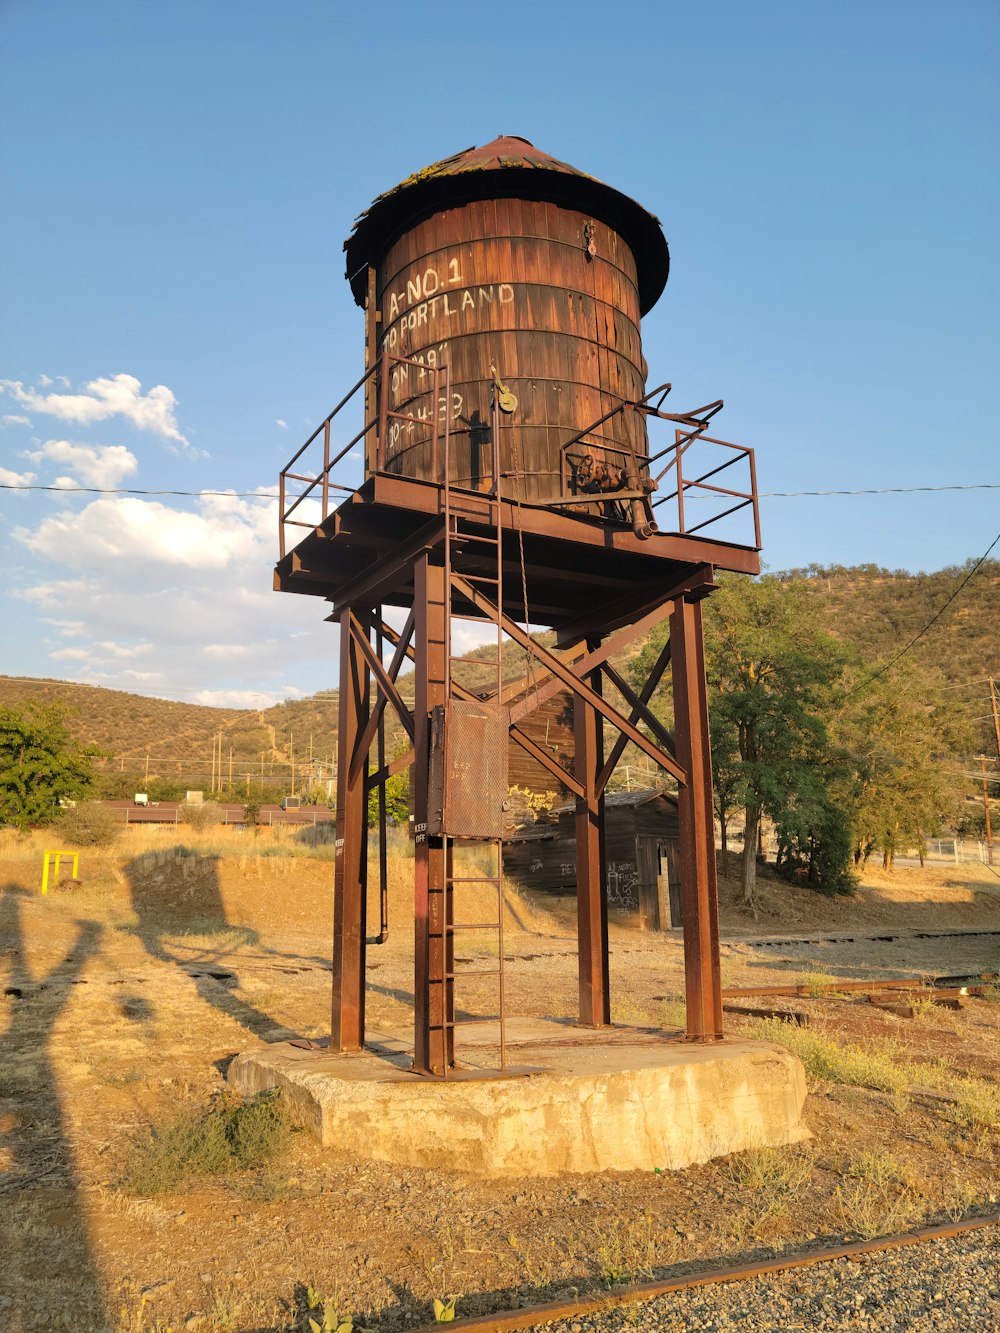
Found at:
[772, 676]
[397, 800]
[771, 680]
[91, 824]
[40, 764]
[896, 731]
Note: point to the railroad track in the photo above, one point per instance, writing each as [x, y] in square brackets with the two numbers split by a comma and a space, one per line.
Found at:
[532, 1316]
[855, 937]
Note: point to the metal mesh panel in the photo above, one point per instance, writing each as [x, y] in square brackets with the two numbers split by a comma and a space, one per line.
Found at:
[469, 768]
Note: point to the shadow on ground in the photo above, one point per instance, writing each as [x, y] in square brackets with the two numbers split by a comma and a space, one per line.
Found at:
[46, 1266]
[177, 900]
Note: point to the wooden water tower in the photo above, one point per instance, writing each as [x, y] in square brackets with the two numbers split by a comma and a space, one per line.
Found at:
[508, 473]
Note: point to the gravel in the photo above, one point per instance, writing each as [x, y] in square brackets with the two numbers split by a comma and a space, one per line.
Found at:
[939, 1285]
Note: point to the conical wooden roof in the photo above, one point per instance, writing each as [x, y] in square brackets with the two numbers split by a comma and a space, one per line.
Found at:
[508, 167]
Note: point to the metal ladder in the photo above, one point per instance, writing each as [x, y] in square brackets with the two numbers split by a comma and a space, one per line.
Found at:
[491, 584]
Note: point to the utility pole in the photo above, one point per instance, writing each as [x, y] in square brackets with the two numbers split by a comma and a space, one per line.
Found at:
[147, 767]
[986, 807]
[230, 768]
[996, 718]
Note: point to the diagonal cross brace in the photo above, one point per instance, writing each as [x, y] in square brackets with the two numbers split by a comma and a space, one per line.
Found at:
[390, 694]
[591, 661]
[645, 694]
[560, 670]
[521, 737]
[639, 708]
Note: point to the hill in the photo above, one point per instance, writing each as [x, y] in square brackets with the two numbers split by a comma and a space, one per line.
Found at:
[877, 611]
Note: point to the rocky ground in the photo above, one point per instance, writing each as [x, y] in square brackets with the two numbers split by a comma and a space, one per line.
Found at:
[124, 1002]
[948, 1285]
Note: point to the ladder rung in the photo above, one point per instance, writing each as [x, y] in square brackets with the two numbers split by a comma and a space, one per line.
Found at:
[478, 661]
[479, 972]
[473, 925]
[473, 879]
[471, 537]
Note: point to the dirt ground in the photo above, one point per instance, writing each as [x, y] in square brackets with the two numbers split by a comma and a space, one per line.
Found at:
[125, 1000]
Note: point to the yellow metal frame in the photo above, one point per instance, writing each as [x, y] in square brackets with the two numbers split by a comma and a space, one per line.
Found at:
[53, 860]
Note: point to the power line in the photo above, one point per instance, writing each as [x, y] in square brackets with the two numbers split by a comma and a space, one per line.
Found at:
[937, 616]
[129, 490]
[271, 495]
[884, 490]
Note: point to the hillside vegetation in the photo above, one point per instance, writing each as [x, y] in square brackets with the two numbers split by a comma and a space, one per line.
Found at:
[874, 611]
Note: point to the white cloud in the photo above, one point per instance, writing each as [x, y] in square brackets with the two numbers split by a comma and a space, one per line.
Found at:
[69, 629]
[230, 651]
[240, 698]
[108, 533]
[283, 424]
[107, 396]
[469, 634]
[173, 601]
[13, 419]
[100, 465]
[9, 478]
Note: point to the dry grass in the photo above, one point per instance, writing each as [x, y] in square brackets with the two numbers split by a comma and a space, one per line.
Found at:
[878, 1066]
[630, 1249]
[231, 1137]
[869, 1209]
[771, 1181]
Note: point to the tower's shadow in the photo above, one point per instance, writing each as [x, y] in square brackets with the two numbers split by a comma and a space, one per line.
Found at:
[174, 896]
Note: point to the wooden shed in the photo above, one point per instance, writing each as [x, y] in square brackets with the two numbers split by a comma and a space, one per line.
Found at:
[643, 867]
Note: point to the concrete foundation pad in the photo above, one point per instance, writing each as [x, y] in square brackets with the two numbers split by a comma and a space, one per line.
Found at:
[619, 1099]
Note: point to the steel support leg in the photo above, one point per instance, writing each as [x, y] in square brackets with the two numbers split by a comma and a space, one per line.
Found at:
[351, 873]
[699, 888]
[433, 1038]
[591, 872]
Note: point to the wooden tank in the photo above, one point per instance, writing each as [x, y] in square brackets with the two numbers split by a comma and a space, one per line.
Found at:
[504, 258]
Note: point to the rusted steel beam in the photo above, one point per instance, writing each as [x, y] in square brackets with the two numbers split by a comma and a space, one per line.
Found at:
[433, 1035]
[699, 892]
[402, 643]
[645, 694]
[584, 663]
[546, 760]
[591, 869]
[624, 611]
[350, 883]
[796, 1016]
[393, 767]
[579, 687]
[385, 683]
[408, 493]
[389, 570]
[638, 706]
[906, 984]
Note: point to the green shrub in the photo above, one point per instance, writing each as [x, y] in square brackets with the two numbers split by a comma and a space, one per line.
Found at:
[200, 817]
[233, 1136]
[90, 824]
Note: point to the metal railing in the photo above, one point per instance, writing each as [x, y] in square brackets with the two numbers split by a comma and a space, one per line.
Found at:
[623, 493]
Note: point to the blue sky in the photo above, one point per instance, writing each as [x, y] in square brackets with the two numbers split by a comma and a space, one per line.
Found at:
[179, 179]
